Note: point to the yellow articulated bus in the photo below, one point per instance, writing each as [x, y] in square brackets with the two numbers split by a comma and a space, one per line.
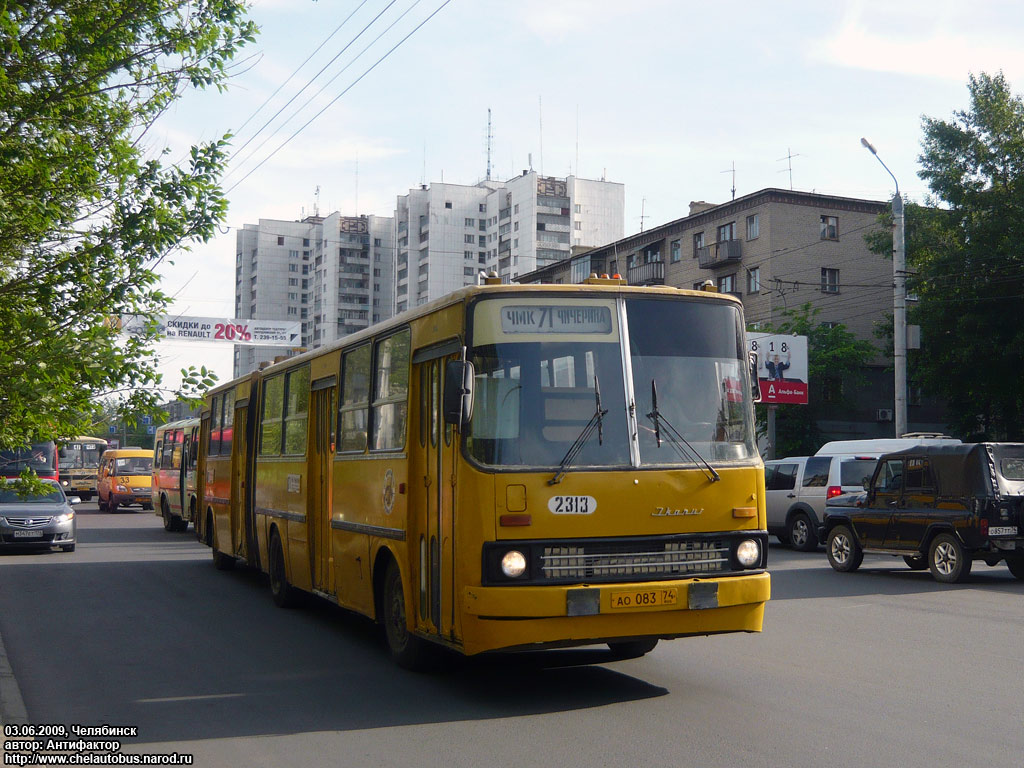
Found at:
[175, 458]
[78, 461]
[509, 467]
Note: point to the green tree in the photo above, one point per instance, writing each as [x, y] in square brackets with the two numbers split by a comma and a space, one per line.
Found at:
[965, 251]
[836, 360]
[87, 212]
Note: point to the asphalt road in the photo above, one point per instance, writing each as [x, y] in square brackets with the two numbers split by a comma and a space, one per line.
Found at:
[882, 667]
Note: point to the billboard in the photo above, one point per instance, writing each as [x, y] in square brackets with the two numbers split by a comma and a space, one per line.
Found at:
[221, 330]
[781, 367]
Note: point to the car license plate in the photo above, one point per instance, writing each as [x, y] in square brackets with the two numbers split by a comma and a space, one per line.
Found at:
[28, 534]
[643, 598]
[1003, 530]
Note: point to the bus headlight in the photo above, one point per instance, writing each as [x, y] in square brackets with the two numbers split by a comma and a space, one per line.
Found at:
[513, 564]
[748, 553]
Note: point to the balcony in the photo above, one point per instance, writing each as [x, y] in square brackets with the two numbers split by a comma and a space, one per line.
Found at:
[718, 254]
[652, 273]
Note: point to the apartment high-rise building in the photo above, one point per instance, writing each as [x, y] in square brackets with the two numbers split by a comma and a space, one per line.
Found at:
[448, 233]
[333, 274]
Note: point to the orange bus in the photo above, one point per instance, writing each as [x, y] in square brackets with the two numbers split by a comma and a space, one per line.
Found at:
[509, 467]
[175, 458]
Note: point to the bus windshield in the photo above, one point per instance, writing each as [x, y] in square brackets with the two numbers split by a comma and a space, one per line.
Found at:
[40, 457]
[539, 365]
[76, 455]
[693, 353]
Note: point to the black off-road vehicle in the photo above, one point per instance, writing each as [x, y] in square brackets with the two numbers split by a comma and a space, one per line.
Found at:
[940, 507]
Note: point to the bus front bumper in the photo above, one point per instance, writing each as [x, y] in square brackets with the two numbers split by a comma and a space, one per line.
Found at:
[535, 616]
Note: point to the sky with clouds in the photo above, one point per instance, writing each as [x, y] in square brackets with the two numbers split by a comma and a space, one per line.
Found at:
[666, 97]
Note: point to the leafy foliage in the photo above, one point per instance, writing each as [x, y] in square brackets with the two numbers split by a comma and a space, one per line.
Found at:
[965, 251]
[836, 360]
[85, 215]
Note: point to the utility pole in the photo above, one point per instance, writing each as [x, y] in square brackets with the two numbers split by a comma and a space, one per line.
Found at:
[899, 302]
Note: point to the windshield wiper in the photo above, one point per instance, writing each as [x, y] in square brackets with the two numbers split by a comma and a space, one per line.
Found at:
[674, 438]
[596, 422]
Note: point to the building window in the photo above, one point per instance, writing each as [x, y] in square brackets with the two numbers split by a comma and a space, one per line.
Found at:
[467, 254]
[576, 208]
[293, 267]
[483, 207]
[515, 209]
[280, 240]
[753, 227]
[676, 250]
[727, 232]
[830, 324]
[468, 271]
[829, 227]
[832, 389]
[305, 242]
[293, 281]
[698, 243]
[754, 280]
[470, 222]
[727, 283]
[578, 225]
[447, 203]
[469, 239]
[377, 242]
[293, 311]
[829, 280]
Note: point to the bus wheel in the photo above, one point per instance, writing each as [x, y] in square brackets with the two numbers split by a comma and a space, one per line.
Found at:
[632, 649]
[284, 594]
[111, 505]
[408, 651]
[165, 513]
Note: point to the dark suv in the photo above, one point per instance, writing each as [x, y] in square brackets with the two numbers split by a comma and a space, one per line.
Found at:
[940, 507]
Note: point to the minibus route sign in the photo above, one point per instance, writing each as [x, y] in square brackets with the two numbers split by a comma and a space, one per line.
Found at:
[550, 318]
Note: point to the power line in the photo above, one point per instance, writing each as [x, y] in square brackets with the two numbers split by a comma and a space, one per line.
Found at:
[293, 74]
[335, 99]
[310, 81]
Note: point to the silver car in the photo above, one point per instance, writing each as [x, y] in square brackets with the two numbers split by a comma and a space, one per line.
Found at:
[45, 520]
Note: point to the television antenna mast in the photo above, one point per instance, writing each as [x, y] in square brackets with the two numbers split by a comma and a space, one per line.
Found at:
[789, 158]
[490, 139]
[733, 172]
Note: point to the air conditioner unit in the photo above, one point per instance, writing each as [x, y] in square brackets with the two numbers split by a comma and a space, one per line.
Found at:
[883, 414]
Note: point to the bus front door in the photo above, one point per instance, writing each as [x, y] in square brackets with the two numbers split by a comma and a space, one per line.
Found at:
[436, 545]
[320, 498]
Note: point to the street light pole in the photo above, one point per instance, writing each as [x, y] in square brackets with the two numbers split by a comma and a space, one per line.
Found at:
[899, 301]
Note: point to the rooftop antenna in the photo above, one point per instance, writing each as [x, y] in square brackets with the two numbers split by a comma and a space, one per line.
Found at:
[490, 139]
[540, 117]
[577, 166]
[316, 201]
[643, 205]
[789, 158]
[733, 172]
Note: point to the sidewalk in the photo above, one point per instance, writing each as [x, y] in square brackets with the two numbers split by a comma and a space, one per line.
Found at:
[12, 708]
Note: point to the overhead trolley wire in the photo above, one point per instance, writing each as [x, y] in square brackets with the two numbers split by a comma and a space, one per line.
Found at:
[346, 90]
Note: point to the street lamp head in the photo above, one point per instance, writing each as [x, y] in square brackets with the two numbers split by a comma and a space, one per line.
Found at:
[864, 142]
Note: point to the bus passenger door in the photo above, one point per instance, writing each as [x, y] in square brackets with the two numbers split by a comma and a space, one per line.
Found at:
[320, 485]
[239, 501]
[435, 510]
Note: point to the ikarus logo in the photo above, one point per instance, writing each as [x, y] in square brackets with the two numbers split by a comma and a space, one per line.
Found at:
[670, 512]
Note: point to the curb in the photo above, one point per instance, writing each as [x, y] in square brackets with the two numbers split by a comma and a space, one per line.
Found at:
[12, 706]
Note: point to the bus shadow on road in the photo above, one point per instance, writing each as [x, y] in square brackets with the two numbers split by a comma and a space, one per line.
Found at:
[183, 652]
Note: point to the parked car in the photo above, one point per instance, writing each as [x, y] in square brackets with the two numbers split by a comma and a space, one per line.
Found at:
[37, 520]
[125, 478]
[940, 507]
[797, 488]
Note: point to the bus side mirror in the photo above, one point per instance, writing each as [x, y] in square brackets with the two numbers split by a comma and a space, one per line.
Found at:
[458, 392]
[755, 385]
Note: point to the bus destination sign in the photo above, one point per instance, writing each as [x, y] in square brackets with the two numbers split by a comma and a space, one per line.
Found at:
[545, 318]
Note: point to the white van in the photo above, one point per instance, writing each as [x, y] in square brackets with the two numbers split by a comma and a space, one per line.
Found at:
[877, 446]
